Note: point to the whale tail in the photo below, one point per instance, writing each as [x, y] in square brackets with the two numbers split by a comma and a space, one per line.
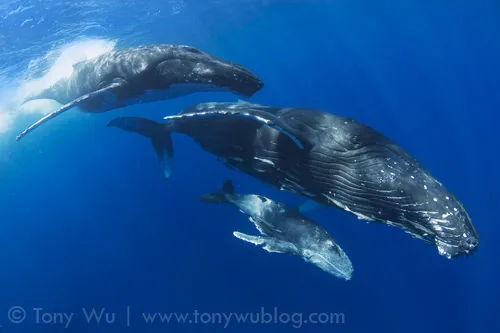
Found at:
[222, 196]
[33, 97]
[44, 94]
[157, 132]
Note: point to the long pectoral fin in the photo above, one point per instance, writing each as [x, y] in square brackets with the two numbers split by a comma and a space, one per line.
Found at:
[88, 97]
[269, 244]
[263, 117]
[263, 226]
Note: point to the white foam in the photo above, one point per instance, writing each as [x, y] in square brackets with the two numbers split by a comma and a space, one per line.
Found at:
[5, 121]
[14, 92]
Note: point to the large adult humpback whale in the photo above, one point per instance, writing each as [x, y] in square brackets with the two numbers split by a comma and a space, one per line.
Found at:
[285, 230]
[144, 74]
[330, 159]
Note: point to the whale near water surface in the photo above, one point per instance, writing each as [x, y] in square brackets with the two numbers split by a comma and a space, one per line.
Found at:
[144, 74]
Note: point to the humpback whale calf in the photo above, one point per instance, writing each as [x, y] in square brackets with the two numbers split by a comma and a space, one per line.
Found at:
[144, 74]
[330, 159]
[285, 230]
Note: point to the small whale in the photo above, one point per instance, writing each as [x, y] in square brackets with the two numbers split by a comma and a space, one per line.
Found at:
[329, 159]
[285, 230]
[144, 74]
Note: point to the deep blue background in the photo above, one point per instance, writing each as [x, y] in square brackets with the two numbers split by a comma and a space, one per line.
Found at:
[88, 222]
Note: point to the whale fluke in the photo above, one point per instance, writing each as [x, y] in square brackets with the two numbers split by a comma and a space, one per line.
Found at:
[45, 94]
[159, 135]
[221, 196]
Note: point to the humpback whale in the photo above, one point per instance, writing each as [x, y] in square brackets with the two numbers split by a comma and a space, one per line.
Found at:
[330, 159]
[144, 74]
[285, 230]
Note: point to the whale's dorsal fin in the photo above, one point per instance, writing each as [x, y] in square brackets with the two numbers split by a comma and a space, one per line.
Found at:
[66, 107]
[263, 117]
[270, 244]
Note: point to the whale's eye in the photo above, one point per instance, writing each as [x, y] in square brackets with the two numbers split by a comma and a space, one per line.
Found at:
[262, 198]
[307, 254]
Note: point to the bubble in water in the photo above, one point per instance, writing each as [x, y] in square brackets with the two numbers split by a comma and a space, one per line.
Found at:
[177, 6]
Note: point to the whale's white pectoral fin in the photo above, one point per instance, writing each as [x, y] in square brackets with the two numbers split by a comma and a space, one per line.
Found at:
[270, 244]
[255, 240]
[98, 93]
[262, 224]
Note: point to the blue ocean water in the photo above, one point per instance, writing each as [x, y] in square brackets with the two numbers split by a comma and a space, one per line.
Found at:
[88, 223]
